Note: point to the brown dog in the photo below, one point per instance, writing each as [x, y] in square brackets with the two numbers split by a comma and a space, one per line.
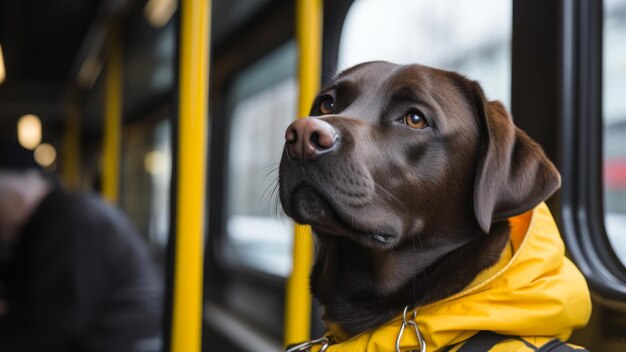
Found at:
[407, 175]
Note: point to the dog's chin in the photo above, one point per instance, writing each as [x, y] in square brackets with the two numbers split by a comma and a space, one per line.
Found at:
[309, 207]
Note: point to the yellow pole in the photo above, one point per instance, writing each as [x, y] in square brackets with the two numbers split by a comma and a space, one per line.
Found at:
[112, 118]
[70, 167]
[192, 117]
[298, 298]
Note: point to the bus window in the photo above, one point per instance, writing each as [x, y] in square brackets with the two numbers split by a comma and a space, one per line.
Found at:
[471, 37]
[158, 163]
[614, 107]
[145, 176]
[263, 103]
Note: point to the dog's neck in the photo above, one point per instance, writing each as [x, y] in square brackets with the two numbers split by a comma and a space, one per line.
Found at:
[361, 288]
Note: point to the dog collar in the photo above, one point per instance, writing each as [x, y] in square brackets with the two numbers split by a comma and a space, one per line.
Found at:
[407, 324]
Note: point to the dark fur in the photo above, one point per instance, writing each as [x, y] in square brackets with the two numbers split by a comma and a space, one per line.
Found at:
[405, 216]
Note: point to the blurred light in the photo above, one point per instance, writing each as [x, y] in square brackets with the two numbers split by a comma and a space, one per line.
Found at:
[155, 162]
[159, 12]
[3, 71]
[29, 131]
[89, 72]
[45, 154]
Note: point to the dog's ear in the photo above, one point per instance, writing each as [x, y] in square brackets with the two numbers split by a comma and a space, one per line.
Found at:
[513, 174]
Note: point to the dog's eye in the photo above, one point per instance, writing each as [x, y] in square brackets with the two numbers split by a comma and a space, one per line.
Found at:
[327, 106]
[415, 120]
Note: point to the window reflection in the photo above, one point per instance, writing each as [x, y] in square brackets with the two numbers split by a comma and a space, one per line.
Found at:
[614, 106]
[471, 37]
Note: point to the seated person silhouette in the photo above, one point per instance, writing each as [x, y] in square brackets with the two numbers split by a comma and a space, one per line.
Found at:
[74, 275]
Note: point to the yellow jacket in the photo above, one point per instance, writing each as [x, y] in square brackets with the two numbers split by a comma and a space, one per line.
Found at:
[534, 292]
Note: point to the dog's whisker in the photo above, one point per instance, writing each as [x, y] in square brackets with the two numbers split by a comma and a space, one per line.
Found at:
[391, 195]
[269, 173]
[274, 170]
[272, 184]
[376, 207]
[330, 75]
[265, 193]
[276, 164]
[275, 200]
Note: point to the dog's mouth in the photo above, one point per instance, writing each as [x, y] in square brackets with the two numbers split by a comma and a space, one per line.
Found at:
[309, 206]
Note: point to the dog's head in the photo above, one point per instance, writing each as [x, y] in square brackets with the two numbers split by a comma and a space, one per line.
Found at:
[407, 174]
[393, 153]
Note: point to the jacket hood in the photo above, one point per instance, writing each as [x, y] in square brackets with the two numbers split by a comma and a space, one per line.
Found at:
[534, 290]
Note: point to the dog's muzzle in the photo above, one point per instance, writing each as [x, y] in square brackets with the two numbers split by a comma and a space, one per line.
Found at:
[307, 139]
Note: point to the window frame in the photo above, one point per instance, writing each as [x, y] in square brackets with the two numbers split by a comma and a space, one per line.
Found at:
[271, 26]
[231, 56]
[582, 191]
[335, 13]
[221, 247]
[234, 276]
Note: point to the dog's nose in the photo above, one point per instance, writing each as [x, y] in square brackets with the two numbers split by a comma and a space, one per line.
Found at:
[309, 138]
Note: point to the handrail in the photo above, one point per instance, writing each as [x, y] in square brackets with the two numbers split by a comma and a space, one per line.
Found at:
[112, 118]
[191, 162]
[298, 298]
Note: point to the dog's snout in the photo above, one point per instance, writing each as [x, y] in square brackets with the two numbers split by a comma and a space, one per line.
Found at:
[308, 138]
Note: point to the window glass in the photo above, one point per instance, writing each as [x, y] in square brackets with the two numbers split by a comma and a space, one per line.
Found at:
[471, 37]
[614, 107]
[158, 163]
[145, 177]
[263, 100]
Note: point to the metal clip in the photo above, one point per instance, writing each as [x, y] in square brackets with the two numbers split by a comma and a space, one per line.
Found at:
[416, 330]
[306, 346]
